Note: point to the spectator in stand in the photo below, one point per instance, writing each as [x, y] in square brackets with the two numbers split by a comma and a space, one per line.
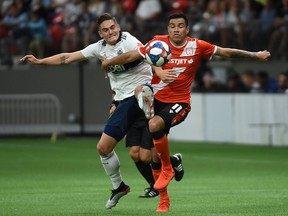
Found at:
[71, 36]
[38, 34]
[129, 6]
[210, 84]
[83, 24]
[90, 33]
[237, 18]
[176, 6]
[249, 80]
[211, 21]
[197, 84]
[279, 38]
[148, 14]
[234, 83]
[15, 40]
[97, 7]
[56, 33]
[43, 7]
[283, 82]
[194, 11]
[261, 36]
[266, 84]
[58, 5]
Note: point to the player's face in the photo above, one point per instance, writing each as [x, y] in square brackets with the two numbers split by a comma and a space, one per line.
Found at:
[109, 30]
[178, 31]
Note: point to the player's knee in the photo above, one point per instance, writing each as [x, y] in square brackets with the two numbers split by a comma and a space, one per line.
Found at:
[153, 126]
[146, 158]
[103, 150]
[134, 155]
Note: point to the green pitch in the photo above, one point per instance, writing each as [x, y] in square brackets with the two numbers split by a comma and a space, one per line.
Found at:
[38, 177]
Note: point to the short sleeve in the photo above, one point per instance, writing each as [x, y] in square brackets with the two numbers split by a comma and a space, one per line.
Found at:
[206, 49]
[91, 51]
[132, 42]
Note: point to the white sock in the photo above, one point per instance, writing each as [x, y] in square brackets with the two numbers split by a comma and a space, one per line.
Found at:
[111, 165]
[140, 100]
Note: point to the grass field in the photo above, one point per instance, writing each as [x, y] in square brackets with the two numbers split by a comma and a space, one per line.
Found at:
[38, 177]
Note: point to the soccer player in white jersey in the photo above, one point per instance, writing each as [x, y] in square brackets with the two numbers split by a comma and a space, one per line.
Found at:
[123, 79]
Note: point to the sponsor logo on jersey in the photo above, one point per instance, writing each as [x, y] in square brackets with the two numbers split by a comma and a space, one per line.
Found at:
[181, 61]
[121, 68]
[190, 49]
[116, 68]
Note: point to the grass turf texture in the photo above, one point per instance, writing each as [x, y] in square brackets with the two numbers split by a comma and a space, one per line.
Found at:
[38, 177]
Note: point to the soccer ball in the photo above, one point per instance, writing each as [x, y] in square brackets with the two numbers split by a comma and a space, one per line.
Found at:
[158, 53]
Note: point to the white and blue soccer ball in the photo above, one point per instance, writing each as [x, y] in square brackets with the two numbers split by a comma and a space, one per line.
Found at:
[158, 53]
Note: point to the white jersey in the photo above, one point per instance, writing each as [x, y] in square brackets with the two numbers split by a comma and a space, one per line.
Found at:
[123, 78]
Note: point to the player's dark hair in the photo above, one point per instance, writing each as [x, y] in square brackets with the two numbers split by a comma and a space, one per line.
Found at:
[104, 17]
[177, 16]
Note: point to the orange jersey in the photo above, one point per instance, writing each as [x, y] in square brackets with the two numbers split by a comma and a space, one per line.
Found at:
[184, 61]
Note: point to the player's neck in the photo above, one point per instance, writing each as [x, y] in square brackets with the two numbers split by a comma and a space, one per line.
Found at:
[180, 44]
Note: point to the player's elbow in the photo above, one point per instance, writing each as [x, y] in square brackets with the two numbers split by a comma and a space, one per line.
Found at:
[224, 52]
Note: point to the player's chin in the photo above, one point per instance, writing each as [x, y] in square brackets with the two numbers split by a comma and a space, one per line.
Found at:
[177, 37]
[113, 40]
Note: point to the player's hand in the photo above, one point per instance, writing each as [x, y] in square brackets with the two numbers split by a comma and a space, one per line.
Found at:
[30, 58]
[104, 67]
[166, 76]
[112, 109]
[263, 55]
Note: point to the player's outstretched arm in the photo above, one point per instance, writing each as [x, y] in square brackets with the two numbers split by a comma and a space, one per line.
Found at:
[237, 53]
[124, 58]
[58, 59]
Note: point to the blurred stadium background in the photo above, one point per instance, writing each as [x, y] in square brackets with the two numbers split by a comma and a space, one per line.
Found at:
[237, 102]
[234, 101]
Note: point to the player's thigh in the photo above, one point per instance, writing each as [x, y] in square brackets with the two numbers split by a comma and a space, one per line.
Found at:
[171, 113]
[122, 118]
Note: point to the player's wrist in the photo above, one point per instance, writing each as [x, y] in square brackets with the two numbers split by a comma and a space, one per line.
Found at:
[253, 55]
[114, 103]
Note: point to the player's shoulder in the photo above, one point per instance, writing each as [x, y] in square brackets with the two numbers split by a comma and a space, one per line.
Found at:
[192, 39]
[199, 41]
[124, 36]
[100, 43]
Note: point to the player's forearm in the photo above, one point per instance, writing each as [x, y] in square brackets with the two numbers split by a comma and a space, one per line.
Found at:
[124, 58]
[58, 59]
[236, 53]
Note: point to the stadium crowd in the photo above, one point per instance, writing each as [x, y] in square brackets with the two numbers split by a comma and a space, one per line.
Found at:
[46, 27]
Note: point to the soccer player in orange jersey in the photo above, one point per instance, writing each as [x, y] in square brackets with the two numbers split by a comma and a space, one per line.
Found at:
[171, 86]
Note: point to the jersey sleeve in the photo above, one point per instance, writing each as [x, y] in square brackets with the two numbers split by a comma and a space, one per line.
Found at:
[207, 49]
[132, 42]
[92, 51]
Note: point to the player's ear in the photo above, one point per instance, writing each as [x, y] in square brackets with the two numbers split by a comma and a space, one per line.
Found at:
[187, 30]
[100, 34]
